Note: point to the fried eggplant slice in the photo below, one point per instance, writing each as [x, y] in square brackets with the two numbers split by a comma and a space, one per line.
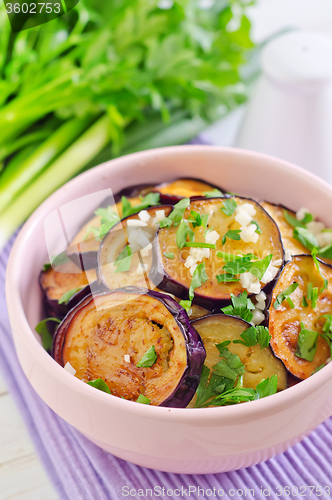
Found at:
[107, 336]
[175, 275]
[285, 319]
[64, 278]
[172, 191]
[133, 239]
[259, 363]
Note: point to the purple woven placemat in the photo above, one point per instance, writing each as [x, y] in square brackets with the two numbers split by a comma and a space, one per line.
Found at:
[80, 470]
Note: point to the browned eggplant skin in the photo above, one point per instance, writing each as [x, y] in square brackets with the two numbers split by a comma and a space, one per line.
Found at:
[84, 252]
[284, 322]
[259, 363]
[184, 187]
[126, 278]
[221, 298]
[180, 389]
[54, 283]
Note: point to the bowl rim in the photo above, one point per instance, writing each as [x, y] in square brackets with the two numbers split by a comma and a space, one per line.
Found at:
[272, 404]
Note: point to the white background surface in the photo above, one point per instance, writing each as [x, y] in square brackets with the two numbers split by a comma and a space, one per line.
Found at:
[22, 477]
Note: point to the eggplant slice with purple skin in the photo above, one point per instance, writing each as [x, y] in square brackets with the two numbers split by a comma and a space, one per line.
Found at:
[171, 275]
[83, 248]
[65, 277]
[286, 230]
[259, 363]
[137, 235]
[97, 336]
[173, 191]
[285, 321]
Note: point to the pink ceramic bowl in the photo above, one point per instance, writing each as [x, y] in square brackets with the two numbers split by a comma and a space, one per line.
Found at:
[169, 439]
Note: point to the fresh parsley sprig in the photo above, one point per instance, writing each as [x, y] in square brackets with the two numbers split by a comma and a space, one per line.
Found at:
[229, 207]
[176, 216]
[241, 307]
[255, 335]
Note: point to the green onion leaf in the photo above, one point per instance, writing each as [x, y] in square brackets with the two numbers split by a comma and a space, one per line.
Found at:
[284, 295]
[229, 207]
[307, 239]
[226, 278]
[149, 358]
[68, 295]
[306, 344]
[197, 244]
[46, 337]
[100, 384]
[304, 302]
[123, 260]
[143, 400]
[198, 279]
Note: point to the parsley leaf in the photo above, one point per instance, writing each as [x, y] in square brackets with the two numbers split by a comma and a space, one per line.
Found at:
[149, 358]
[307, 239]
[229, 207]
[108, 219]
[209, 387]
[182, 233]
[306, 344]
[47, 266]
[100, 384]
[123, 260]
[46, 337]
[241, 307]
[267, 387]
[65, 298]
[149, 200]
[283, 295]
[232, 234]
[177, 214]
[215, 193]
[255, 335]
[325, 252]
[199, 278]
[186, 304]
[143, 400]
[256, 268]
[169, 255]
[197, 219]
[230, 366]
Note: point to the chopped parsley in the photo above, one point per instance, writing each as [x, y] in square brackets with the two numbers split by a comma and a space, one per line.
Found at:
[197, 219]
[210, 387]
[198, 279]
[46, 337]
[151, 199]
[304, 236]
[108, 219]
[230, 257]
[267, 387]
[258, 229]
[149, 358]
[327, 331]
[215, 193]
[255, 335]
[123, 260]
[257, 268]
[143, 400]
[176, 216]
[241, 307]
[47, 266]
[285, 295]
[232, 234]
[65, 298]
[292, 221]
[229, 207]
[169, 255]
[100, 384]
[182, 233]
[306, 344]
[186, 304]
[230, 366]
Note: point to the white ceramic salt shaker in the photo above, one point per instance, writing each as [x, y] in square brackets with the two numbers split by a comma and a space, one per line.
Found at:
[290, 112]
